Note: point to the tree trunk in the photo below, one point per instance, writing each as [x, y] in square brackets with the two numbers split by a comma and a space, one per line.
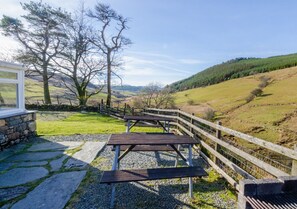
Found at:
[47, 96]
[108, 100]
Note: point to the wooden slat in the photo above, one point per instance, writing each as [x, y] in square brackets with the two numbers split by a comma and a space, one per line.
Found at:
[281, 201]
[227, 162]
[220, 171]
[146, 118]
[148, 139]
[119, 176]
[268, 145]
[147, 148]
[261, 164]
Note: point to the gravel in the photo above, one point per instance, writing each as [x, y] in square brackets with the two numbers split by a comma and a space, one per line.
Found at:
[171, 193]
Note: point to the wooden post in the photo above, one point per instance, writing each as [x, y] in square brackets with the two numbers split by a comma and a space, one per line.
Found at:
[125, 106]
[58, 99]
[219, 136]
[294, 164]
[70, 102]
[132, 110]
[191, 129]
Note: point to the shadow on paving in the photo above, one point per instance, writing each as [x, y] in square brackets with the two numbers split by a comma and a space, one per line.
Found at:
[168, 193]
[70, 182]
[41, 173]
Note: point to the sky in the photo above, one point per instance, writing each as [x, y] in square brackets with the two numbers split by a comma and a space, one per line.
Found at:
[174, 39]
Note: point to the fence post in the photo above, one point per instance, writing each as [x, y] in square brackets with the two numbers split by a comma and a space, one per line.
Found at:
[294, 164]
[219, 136]
[132, 110]
[58, 99]
[125, 106]
[191, 129]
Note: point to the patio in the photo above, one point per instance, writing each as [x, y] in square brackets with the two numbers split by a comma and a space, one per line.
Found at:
[65, 171]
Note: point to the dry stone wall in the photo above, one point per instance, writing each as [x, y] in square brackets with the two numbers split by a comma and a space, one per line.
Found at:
[16, 128]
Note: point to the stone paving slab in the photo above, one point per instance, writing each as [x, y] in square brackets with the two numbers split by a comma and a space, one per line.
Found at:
[10, 193]
[11, 151]
[34, 156]
[18, 176]
[57, 164]
[53, 193]
[85, 156]
[5, 166]
[55, 146]
[28, 164]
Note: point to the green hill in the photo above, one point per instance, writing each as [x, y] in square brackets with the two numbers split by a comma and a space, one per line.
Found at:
[236, 68]
[271, 116]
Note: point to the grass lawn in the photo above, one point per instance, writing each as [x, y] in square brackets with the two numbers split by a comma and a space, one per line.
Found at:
[65, 123]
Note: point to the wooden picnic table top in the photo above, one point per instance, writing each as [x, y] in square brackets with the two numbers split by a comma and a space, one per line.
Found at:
[147, 118]
[149, 139]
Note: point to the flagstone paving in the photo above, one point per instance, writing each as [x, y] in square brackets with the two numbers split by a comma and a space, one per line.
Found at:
[36, 174]
[18, 176]
[34, 156]
[53, 193]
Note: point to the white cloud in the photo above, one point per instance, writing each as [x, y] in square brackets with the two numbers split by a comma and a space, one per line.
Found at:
[190, 61]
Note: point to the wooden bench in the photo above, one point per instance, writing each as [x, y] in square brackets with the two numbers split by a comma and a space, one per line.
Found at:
[277, 201]
[120, 176]
[280, 193]
[147, 148]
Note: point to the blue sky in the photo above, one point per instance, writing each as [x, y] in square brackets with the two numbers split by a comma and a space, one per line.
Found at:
[174, 39]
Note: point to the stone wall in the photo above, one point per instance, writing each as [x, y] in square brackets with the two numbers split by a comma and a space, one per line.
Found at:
[16, 128]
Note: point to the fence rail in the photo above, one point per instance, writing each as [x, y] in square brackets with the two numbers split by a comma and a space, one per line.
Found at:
[209, 136]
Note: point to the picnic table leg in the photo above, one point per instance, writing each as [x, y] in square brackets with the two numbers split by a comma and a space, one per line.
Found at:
[176, 159]
[168, 126]
[128, 126]
[190, 179]
[115, 166]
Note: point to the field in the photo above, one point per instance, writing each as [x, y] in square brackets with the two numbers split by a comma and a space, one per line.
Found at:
[271, 116]
[34, 93]
[67, 123]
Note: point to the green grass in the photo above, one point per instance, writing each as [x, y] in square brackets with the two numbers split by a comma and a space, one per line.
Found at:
[278, 101]
[206, 189]
[87, 123]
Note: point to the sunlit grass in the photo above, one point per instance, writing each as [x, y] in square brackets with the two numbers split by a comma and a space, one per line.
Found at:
[87, 123]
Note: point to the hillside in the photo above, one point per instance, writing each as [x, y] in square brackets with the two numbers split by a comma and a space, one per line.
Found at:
[235, 68]
[271, 116]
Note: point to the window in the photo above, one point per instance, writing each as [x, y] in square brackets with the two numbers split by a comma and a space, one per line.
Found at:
[11, 88]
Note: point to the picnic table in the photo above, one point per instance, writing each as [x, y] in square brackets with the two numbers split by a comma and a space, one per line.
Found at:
[132, 120]
[134, 139]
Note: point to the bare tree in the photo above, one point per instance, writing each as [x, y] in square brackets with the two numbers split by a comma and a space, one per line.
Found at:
[109, 40]
[77, 62]
[42, 38]
[154, 96]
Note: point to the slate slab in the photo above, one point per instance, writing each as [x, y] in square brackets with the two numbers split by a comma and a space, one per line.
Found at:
[5, 166]
[29, 164]
[10, 193]
[85, 156]
[55, 146]
[11, 151]
[18, 176]
[53, 193]
[34, 156]
[57, 164]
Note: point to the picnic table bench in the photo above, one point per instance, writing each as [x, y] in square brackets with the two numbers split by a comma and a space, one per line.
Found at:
[132, 120]
[132, 140]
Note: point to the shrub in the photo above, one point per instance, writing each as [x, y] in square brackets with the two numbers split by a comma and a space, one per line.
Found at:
[190, 102]
[249, 98]
[257, 92]
[209, 114]
[264, 82]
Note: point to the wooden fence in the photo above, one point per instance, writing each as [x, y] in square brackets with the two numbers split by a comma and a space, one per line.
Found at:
[233, 154]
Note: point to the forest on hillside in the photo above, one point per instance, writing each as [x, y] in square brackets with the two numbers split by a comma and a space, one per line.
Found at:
[235, 68]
